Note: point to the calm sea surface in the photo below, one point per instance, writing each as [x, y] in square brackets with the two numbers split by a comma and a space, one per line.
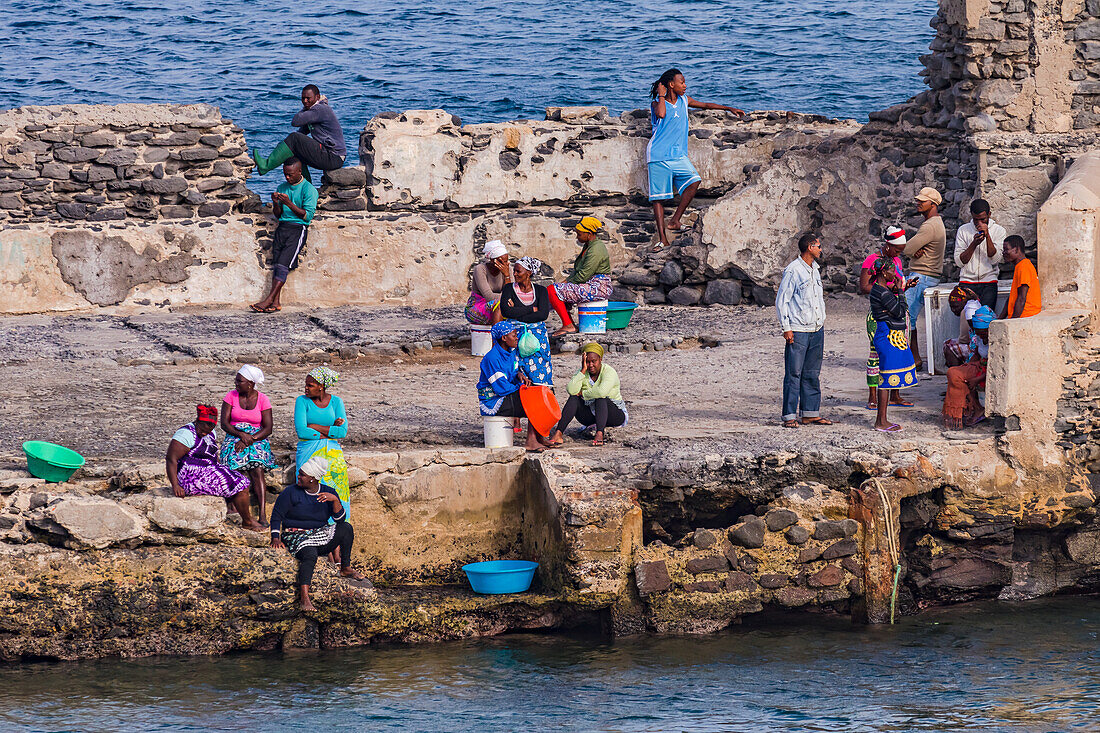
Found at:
[484, 60]
[984, 667]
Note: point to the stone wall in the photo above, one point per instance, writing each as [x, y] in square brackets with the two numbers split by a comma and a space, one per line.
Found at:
[122, 162]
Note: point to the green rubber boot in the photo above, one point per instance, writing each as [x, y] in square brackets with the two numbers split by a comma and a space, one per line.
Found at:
[281, 154]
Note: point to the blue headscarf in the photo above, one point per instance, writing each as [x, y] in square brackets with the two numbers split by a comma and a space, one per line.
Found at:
[983, 317]
[503, 328]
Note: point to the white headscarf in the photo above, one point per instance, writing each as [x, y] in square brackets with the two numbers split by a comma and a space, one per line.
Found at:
[495, 249]
[252, 374]
[315, 467]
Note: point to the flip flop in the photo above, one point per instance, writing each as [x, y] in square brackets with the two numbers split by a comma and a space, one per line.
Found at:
[256, 309]
[893, 428]
[536, 450]
[790, 423]
[271, 309]
[869, 406]
[903, 403]
[818, 421]
[975, 421]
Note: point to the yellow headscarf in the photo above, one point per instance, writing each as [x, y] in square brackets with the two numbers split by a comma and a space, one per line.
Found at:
[593, 348]
[590, 224]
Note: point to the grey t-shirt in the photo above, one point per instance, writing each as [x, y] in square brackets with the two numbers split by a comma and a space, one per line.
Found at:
[320, 122]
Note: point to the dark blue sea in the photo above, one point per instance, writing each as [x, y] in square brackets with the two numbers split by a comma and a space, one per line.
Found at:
[484, 60]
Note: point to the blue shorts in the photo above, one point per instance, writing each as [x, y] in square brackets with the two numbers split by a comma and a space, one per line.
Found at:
[666, 176]
[914, 296]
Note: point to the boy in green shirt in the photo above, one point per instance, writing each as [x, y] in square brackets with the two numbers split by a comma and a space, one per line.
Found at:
[294, 203]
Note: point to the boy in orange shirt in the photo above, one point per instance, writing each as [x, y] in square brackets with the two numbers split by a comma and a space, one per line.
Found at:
[1024, 300]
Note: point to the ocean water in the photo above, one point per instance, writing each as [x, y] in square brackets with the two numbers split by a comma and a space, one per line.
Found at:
[984, 667]
[484, 60]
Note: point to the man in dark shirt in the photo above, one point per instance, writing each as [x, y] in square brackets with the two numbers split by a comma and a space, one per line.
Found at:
[319, 141]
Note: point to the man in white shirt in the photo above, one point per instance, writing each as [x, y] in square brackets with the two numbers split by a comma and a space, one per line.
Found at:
[979, 248]
[800, 304]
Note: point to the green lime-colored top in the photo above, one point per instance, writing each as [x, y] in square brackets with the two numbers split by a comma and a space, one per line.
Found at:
[606, 385]
[593, 260]
[303, 195]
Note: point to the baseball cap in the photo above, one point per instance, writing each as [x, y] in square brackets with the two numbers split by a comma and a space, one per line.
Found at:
[930, 194]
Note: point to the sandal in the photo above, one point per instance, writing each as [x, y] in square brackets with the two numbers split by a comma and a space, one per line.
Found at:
[790, 423]
[540, 449]
[256, 308]
[271, 309]
[902, 403]
[892, 428]
[817, 421]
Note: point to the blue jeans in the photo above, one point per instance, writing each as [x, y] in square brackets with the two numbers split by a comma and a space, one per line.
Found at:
[802, 380]
[914, 296]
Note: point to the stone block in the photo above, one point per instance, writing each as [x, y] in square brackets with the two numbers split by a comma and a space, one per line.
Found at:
[638, 277]
[174, 184]
[763, 295]
[685, 295]
[214, 209]
[809, 554]
[794, 597]
[748, 563]
[672, 274]
[654, 297]
[187, 515]
[709, 564]
[187, 137]
[10, 202]
[843, 548]
[576, 115]
[118, 156]
[1084, 547]
[98, 140]
[198, 154]
[212, 140]
[107, 214]
[851, 565]
[56, 171]
[354, 176]
[72, 211]
[75, 154]
[827, 577]
[749, 533]
[779, 519]
[722, 292]
[705, 538]
[704, 586]
[176, 212]
[737, 581]
[652, 577]
[99, 173]
[96, 523]
[773, 580]
[829, 529]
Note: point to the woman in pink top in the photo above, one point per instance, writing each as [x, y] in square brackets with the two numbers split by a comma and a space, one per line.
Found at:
[894, 244]
[246, 420]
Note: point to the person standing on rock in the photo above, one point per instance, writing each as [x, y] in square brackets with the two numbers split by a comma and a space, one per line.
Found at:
[670, 170]
[978, 250]
[800, 304]
[897, 368]
[891, 250]
[925, 252]
[309, 522]
[319, 141]
[294, 203]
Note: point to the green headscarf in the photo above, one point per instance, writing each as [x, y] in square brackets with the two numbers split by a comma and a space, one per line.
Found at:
[324, 376]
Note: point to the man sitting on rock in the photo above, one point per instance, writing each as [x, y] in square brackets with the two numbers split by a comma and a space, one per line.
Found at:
[294, 203]
[325, 150]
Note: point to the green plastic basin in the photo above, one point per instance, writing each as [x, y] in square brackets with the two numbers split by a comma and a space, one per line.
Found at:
[619, 313]
[51, 462]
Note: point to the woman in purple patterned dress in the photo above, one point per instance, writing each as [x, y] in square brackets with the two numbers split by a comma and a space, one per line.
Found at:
[193, 469]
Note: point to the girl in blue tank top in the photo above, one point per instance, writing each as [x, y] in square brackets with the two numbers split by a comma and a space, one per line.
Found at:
[670, 171]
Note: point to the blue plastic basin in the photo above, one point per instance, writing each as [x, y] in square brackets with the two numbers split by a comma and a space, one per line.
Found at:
[500, 576]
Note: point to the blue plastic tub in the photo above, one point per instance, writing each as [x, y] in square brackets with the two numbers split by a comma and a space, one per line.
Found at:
[592, 317]
[500, 576]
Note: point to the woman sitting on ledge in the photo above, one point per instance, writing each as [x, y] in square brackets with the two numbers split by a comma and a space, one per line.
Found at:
[300, 523]
[246, 421]
[193, 469]
[594, 397]
[490, 277]
[591, 277]
[961, 407]
[529, 304]
[501, 378]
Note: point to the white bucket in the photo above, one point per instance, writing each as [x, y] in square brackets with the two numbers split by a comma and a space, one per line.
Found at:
[498, 432]
[592, 317]
[481, 340]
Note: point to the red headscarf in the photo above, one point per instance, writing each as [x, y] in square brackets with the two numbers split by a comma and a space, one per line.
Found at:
[206, 413]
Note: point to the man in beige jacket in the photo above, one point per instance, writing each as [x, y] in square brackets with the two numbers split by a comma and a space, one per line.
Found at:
[925, 251]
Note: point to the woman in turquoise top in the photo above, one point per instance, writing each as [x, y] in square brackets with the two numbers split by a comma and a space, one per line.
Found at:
[320, 421]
